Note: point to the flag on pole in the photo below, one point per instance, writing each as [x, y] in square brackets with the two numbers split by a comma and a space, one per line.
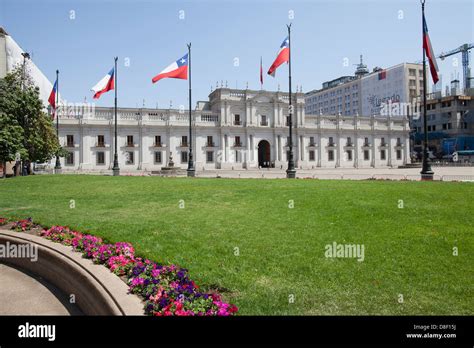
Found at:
[106, 84]
[52, 97]
[429, 52]
[261, 72]
[282, 57]
[176, 70]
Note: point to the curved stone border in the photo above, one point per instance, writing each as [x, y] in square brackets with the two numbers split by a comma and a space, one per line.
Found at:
[97, 291]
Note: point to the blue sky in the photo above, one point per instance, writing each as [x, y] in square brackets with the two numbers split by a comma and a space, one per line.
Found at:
[152, 35]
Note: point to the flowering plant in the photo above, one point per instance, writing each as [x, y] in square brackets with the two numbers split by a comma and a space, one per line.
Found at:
[22, 225]
[3, 221]
[166, 289]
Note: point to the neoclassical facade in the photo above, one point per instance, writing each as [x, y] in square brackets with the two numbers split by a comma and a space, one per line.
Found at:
[235, 129]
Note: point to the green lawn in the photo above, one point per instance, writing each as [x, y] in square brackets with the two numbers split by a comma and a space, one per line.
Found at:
[408, 251]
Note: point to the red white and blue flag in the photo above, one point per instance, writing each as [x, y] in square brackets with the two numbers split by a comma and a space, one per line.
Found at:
[106, 84]
[52, 97]
[429, 52]
[282, 57]
[176, 70]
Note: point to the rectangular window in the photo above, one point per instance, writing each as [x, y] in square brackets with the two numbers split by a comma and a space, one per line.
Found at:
[184, 157]
[210, 142]
[130, 140]
[399, 154]
[264, 120]
[434, 128]
[366, 142]
[366, 155]
[382, 154]
[445, 126]
[311, 155]
[237, 120]
[100, 157]
[70, 158]
[100, 141]
[349, 155]
[331, 141]
[450, 125]
[330, 155]
[209, 156]
[382, 142]
[237, 141]
[184, 142]
[349, 141]
[70, 140]
[158, 157]
[129, 157]
[157, 140]
[311, 141]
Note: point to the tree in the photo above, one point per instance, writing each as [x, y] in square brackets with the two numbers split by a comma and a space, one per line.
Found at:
[26, 128]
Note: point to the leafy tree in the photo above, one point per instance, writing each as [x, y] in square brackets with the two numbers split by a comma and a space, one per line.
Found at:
[26, 128]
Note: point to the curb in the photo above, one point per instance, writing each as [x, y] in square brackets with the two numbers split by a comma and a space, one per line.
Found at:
[97, 291]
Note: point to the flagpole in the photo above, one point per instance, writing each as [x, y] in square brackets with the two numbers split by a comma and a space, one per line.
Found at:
[115, 169]
[57, 167]
[290, 172]
[191, 170]
[426, 172]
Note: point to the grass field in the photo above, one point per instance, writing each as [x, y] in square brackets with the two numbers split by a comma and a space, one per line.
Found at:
[281, 250]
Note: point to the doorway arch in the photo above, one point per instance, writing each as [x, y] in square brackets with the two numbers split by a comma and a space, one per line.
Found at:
[264, 154]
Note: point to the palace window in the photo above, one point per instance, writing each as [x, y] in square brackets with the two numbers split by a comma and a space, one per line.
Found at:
[349, 141]
[129, 157]
[210, 142]
[157, 140]
[331, 141]
[311, 155]
[264, 120]
[349, 155]
[382, 142]
[366, 155]
[70, 140]
[184, 142]
[100, 157]
[237, 121]
[70, 158]
[366, 142]
[130, 141]
[158, 157]
[184, 157]
[237, 142]
[331, 155]
[382, 154]
[399, 154]
[209, 156]
[311, 141]
[100, 141]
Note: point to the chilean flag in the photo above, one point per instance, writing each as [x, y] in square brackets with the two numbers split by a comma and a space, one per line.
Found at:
[106, 84]
[282, 57]
[176, 70]
[429, 52]
[52, 96]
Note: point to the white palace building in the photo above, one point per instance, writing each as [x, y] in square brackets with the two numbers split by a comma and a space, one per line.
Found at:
[235, 129]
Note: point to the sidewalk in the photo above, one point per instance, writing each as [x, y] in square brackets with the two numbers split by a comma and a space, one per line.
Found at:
[23, 294]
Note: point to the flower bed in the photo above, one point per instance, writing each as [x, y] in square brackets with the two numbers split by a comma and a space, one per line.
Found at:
[3, 221]
[166, 289]
[22, 225]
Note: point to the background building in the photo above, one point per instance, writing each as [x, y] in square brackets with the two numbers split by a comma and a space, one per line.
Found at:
[366, 93]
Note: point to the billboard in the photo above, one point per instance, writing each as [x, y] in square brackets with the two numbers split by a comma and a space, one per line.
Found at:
[384, 89]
